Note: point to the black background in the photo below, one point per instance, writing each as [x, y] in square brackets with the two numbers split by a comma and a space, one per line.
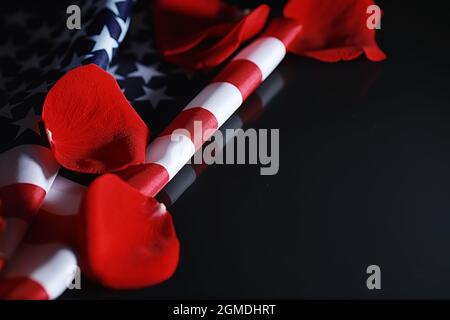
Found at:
[364, 179]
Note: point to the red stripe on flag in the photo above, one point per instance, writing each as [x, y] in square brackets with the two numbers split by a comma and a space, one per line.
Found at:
[139, 177]
[22, 288]
[186, 120]
[21, 200]
[285, 30]
[243, 74]
[53, 227]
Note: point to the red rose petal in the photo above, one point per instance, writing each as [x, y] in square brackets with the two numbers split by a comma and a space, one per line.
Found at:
[128, 239]
[333, 30]
[90, 124]
[201, 34]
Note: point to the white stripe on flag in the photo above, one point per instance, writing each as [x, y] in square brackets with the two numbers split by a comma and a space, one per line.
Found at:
[219, 98]
[266, 53]
[53, 266]
[11, 236]
[171, 152]
[29, 163]
[64, 197]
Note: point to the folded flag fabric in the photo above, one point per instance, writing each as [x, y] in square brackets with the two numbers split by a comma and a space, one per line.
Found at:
[36, 52]
[43, 54]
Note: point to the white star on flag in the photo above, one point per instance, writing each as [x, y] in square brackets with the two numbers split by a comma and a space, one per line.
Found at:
[111, 5]
[124, 25]
[19, 17]
[29, 122]
[42, 88]
[104, 41]
[113, 71]
[6, 110]
[43, 32]
[141, 49]
[154, 96]
[32, 62]
[146, 73]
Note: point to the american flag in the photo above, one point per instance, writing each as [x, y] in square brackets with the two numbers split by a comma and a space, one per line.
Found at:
[38, 49]
[116, 35]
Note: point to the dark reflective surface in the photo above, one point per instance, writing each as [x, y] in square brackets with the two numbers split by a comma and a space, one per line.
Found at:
[364, 179]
